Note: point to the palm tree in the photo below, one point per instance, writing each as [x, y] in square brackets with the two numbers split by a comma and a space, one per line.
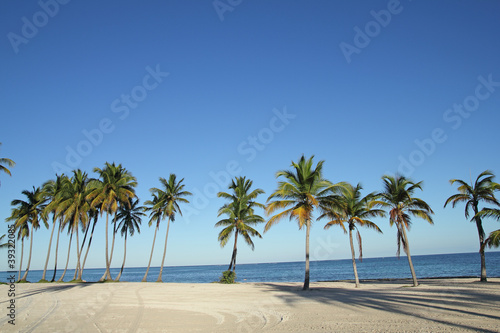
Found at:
[154, 207]
[6, 161]
[349, 207]
[52, 191]
[76, 210]
[29, 212]
[240, 212]
[398, 197]
[170, 195]
[302, 190]
[116, 185]
[130, 219]
[481, 190]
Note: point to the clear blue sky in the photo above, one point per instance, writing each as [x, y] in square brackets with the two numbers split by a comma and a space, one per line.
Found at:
[354, 83]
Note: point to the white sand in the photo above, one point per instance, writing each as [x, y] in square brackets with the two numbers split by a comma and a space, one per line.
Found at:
[444, 305]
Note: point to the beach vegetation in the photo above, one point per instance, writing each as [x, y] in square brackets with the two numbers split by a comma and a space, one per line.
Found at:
[240, 215]
[115, 187]
[28, 212]
[129, 218]
[398, 198]
[52, 191]
[228, 277]
[349, 207]
[299, 192]
[480, 191]
[165, 204]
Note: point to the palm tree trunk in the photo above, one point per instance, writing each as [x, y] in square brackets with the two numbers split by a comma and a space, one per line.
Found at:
[57, 248]
[413, 275]
[306, 279]
[48, 251]
[21, 263]
[232, 264]
[67, 259]
[144, 279]
[107, 274]
[353, 259]
[112, 243]
[88, 246]
[80, 269]
[29, 257]
[124, 256]
[78, 254]
[164, 253]
[480, 231]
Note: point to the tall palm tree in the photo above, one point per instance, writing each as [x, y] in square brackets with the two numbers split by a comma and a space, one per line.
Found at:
[29, 212]
[302, 190]
[76, 208]
[116, 185]
[482, 190]
[398, 197]
[240, 215]
[170, 194]
[6, 161]
[155, 215]
[130, 219]
[52, 191]
[349, 207]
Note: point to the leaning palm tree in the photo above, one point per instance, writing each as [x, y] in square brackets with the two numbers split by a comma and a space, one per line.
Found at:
[129, 218]
[116, 185]
[76, 210]
[31, 212]
[52, 191]
[170, 195]
[240, 215]
[302, 190]
[349, 207]
[482, 190]
[6, 161]
[155, 216]
[398, 197]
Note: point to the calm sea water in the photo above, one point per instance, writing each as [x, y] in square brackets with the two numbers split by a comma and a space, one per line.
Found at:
[439, 265]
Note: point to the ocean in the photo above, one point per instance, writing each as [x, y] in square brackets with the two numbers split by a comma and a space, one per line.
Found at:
[426, 266]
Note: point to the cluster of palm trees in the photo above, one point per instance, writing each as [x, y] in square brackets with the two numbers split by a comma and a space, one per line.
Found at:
[303, 190]
[75, 203]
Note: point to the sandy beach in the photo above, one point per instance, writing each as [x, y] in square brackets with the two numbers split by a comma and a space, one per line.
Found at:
[437, 305]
